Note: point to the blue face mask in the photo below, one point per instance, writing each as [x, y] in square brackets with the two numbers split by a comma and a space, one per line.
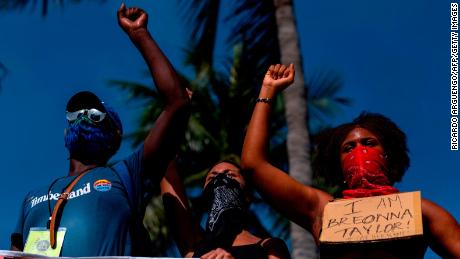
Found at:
[89, 143]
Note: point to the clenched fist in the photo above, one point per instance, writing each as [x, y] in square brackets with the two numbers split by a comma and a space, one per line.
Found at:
[132, 19]
[278, 77]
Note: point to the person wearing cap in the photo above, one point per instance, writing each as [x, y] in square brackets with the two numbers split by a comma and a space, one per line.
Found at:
[96, 209]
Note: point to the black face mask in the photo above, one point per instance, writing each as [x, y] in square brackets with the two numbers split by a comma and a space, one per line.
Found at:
[227, 207]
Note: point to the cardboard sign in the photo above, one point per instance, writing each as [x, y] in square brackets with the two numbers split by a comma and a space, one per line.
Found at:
[373, 218]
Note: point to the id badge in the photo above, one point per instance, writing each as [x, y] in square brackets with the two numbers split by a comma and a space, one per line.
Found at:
[38, 242]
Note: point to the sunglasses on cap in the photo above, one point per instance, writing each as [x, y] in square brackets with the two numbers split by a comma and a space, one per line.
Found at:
[93, 114]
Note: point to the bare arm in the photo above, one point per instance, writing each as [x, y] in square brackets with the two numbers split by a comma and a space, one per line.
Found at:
[301, 204]
[185, 230]
[162, 142]
[441, 230]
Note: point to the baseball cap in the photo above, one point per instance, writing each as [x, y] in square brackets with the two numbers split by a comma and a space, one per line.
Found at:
[88, 100]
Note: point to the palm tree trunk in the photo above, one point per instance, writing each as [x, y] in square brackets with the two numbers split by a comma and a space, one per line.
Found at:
[298, 142]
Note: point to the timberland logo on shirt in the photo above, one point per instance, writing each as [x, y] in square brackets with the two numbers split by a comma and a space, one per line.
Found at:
[55, 196]
[102, 185]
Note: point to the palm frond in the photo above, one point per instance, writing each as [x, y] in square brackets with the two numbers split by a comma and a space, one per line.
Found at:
[275, 224]
[155, 223]
[323, 100]
[201, 19]
[150, 99]
[255, 25]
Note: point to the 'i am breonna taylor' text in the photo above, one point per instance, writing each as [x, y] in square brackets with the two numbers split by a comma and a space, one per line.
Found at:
[381, 217]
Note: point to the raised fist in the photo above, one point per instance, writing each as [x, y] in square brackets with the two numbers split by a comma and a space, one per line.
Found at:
[278, 77]
[132, 19]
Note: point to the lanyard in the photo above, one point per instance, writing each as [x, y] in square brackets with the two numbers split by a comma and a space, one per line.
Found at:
[60, 204]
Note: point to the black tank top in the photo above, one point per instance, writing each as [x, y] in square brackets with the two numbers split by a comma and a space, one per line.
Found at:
[250, 251]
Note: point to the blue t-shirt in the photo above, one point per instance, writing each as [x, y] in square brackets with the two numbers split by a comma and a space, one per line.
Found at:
[102, 212]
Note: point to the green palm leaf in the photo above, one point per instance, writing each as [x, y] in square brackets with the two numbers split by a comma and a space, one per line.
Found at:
[324, 101]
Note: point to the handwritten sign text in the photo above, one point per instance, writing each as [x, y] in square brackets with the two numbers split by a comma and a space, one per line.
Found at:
[373, 218]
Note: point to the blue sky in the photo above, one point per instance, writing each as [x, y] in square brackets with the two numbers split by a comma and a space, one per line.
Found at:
[393, 57]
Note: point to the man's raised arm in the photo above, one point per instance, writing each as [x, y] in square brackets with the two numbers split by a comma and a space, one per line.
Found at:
[162, 142]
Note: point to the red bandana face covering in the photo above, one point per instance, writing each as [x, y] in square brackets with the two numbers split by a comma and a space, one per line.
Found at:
[364, 169]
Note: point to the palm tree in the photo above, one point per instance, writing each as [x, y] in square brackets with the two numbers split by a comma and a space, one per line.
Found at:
[224, 91]
[298, 142]
[220, 104]
[215, 132]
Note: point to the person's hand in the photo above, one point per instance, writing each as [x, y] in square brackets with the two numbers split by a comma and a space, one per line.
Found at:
[218, 253]
[132, 19]
[278, 77]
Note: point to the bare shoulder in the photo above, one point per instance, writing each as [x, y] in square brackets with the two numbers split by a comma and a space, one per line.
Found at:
[276, 248]
[441, 230]
[432, 211]
[436, 219]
